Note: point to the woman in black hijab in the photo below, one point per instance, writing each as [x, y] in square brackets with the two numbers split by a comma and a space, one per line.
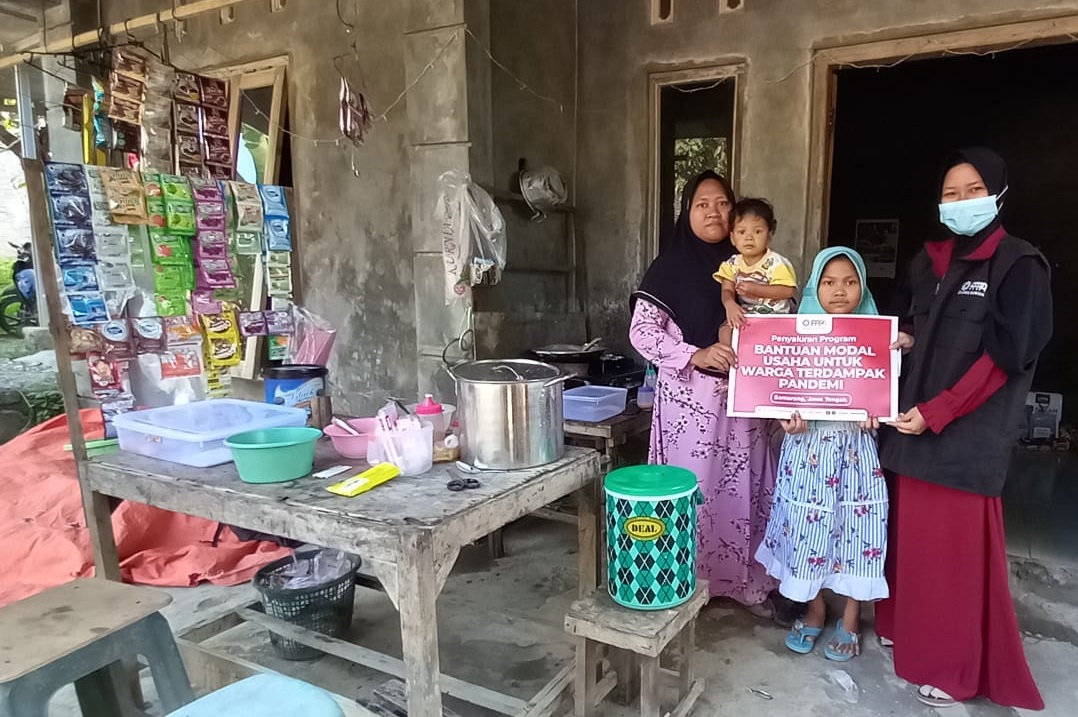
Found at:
[980, 306]
[677, 313]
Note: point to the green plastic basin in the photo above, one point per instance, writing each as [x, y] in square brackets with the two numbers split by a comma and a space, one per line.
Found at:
[274, 455]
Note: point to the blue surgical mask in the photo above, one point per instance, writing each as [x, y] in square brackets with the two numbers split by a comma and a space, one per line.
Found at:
[969, 216]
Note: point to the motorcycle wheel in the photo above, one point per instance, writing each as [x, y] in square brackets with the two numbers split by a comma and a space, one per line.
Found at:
[11, 315]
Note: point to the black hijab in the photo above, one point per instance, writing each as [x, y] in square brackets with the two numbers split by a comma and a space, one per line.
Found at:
[680, 280]
[993, 171]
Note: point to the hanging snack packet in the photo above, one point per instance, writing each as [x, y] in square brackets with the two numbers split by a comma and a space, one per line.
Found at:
[88, 308]
[168, 249]
[211, 216]
[126, 87]
[278, 234]
[277, 348]
[149, 332]
[214, 92]
[105, 375]
[74, 244]
[129, 64]
[185, 87]
[218, 150]
[117, 340]
[279, 259]
[181, 330]
[248, 243]
[112, 407]
[273, 200]
[70, 210]
[279, 281]
[206, 190]
[111, 242]
[181, 362]
[244, 192]
[180, 217]
[83, 339]
[125, 111]
[215, 274]
[215, 122]
[173, 278]
[279, 322]
[115, 275]
[252, 323]
[124, 191]
[185, 117]
[151, 185]
[188, 148]
[192, 169]
[211, 245]
[79, 277]
[222, 340]
[204, 302]
[170, 304]
[63, 178]
[176, 187]
[221, 172]
[156, 213]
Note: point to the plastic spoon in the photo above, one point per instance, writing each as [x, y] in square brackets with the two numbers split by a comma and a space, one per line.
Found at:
[345, 427]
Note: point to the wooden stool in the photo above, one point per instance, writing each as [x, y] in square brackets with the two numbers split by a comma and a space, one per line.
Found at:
[77, 633]
[597, 620]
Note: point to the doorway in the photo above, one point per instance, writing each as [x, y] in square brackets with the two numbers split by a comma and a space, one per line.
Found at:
[892, 128]
[694, 128]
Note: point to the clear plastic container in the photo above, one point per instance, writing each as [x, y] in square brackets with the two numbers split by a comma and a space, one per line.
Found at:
[594, 403]
[194, 434]
[410, 449]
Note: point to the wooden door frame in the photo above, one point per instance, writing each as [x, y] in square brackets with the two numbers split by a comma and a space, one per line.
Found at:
[827, 59]
[657, 80]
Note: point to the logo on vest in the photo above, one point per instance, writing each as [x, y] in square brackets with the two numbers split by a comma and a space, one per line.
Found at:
[974, 288]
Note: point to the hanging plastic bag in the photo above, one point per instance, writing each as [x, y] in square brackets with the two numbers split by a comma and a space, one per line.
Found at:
[312, 341]
[473, 235]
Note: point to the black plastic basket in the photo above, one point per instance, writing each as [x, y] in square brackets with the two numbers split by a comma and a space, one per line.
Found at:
[323, 608]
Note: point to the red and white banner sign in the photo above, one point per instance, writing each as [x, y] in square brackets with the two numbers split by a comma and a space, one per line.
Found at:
[822, 366]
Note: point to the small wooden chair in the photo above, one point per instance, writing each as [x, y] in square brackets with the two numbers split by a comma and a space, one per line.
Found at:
[597, 620]
[78, 633]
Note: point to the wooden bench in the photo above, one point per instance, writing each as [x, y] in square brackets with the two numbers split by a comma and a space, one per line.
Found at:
[597, 621]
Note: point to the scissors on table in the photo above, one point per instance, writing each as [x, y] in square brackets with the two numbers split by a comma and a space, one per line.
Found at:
[459, 484]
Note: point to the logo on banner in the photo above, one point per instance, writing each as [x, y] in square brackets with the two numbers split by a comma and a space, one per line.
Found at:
[814, 324]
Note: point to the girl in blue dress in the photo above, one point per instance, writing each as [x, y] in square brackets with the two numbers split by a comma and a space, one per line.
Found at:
[828, 525]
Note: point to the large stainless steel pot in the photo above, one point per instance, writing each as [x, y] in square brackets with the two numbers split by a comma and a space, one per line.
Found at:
[510, 413]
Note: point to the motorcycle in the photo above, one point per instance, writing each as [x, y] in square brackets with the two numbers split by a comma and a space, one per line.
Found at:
[18, 302]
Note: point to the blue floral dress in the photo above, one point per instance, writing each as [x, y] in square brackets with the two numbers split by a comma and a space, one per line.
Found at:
[828, 525]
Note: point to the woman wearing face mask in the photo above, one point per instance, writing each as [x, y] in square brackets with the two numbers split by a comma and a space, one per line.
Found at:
[677, 312]
[981, 309]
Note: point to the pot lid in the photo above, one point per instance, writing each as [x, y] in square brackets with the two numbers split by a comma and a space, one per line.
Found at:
[651, 481]
[507, 371]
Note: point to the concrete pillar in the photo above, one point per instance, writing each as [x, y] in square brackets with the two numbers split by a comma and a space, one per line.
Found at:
[449, 128]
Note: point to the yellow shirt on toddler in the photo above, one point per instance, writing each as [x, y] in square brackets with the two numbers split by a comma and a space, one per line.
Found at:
[773, 269]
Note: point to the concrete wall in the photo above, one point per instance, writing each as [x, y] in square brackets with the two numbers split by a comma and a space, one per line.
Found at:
[774, 38]
[355, 233]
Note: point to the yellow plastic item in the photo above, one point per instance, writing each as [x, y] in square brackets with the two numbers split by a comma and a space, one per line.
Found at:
[363, 482]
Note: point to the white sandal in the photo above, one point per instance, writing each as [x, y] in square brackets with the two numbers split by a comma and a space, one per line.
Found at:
[935, 697]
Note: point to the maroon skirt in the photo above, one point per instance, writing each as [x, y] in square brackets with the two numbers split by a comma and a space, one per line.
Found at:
[950, 613]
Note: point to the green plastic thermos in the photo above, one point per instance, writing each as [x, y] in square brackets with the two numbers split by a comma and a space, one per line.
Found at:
[651, 536]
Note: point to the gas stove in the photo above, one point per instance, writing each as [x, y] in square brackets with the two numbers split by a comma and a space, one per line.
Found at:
[614, 370]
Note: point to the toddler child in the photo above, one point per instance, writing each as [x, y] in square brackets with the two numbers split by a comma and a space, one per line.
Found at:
[756, 280]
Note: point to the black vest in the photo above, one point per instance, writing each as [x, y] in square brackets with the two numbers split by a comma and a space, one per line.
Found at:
[950, 317]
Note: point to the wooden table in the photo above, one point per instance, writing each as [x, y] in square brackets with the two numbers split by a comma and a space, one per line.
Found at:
[609, 435]
[408, 532]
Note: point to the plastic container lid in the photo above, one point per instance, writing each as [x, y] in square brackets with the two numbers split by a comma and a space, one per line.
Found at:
[652, 481]
[429, 407]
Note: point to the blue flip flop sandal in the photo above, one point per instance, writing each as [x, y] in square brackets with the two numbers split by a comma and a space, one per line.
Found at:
[841, 637]
[801, 638]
